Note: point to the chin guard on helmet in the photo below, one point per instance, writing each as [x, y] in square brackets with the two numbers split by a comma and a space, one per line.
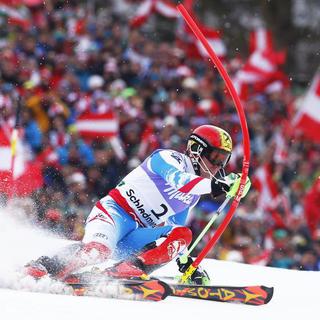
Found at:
[194, 151]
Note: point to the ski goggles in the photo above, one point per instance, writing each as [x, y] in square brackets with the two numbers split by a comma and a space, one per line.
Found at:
[218, 157]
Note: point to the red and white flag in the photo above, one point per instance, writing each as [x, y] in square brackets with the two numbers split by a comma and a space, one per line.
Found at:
[148, 7]
[27, 174]
[311, 203]
[268, 189]
[193, 47]
[15, 16]
[97, 125]
[261, 71]
[260, 40]
[270, 199]
[101, 125]
[149, 142]
[281, 151]
[308, 117]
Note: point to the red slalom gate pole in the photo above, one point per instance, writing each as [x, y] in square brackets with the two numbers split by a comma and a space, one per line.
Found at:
[246, 141]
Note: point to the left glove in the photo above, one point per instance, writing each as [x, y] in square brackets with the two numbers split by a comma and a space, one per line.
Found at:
[233, 180]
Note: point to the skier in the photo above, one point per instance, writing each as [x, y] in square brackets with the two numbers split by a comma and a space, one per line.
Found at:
[142, 220]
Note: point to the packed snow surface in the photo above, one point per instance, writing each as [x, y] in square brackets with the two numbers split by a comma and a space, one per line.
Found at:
[296, 293]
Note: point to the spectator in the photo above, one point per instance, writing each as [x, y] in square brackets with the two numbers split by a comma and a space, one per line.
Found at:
[32, 134]
[75, 152]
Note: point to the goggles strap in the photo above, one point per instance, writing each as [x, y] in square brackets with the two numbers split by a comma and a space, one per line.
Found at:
[196, 158]
[204, 167]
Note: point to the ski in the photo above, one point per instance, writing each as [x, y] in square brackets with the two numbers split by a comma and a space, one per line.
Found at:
[250, 295]
[148, 290]
[156, 290]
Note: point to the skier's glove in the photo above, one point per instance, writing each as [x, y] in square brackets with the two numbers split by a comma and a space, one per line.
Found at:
[218, 187]
[233, 181]
[199, 276]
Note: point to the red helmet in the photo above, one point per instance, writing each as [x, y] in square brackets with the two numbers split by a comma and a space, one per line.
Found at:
[211, 142]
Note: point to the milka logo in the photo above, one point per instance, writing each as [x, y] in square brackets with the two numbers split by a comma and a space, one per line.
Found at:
[175, 194]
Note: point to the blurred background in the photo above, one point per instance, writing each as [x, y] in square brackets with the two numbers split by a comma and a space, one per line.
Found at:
[93, 87]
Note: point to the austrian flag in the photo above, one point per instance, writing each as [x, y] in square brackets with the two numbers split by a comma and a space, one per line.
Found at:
[193, 47]
[214, 38]
[148, 7]
[260, 40]
[27, 176]
[262, 69]
[14, 15]
[96, 125]
[308, 117]
[267, 187]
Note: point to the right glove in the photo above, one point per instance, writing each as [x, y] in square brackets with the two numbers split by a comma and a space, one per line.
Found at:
[229, 185]
[233, 180]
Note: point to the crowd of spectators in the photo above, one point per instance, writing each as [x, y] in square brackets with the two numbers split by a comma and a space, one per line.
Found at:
[73, 59]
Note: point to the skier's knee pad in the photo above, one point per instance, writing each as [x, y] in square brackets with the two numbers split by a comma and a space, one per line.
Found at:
[176, 241]
[183, 234]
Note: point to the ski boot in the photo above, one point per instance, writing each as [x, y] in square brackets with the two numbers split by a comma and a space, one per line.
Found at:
[199, 276]
[126, 270]
[153, 256]
[35, 269]
[44, 266]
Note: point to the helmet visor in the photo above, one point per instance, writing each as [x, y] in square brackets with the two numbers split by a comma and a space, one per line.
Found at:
[218, 158]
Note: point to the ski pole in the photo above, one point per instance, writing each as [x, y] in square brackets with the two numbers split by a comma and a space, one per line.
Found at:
[184, 258]
[245, 136]
[13, 144]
